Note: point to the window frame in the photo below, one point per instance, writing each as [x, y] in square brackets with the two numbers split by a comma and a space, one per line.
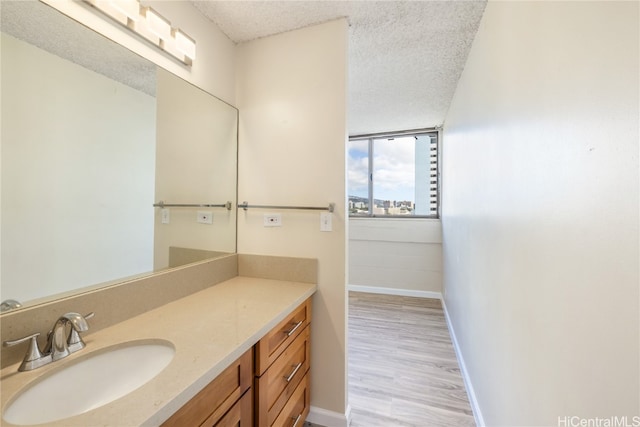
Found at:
[434, 133]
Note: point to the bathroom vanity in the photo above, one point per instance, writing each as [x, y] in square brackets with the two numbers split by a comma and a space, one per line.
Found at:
[242, 357]
[280, 394]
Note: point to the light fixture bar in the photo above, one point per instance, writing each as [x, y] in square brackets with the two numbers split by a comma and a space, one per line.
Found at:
[150, 25]
[185, 44]
[129, 8]
[157, 24]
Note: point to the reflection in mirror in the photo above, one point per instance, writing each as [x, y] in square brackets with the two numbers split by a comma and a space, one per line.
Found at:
[192, 170]
[92, 136]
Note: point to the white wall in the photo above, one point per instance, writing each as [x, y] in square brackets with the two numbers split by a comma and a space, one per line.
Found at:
[540, 213]
[398, 256]
[56, 208]
[292, 99]
[213, 69]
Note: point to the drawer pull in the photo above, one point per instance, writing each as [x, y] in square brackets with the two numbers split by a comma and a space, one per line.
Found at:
[295, 328]
[293, 374]
[297, 419]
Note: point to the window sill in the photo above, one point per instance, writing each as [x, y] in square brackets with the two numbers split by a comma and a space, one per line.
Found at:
[400, 217]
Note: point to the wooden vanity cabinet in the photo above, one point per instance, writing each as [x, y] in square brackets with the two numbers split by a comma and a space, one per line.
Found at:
[225, 402]
[283, 359]
[268, 386]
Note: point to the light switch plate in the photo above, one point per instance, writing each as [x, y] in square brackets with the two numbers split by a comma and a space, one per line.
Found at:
[325, 221]
[165, 216]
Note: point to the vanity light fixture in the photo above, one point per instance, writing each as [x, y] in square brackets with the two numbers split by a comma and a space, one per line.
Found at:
[129, 8]
[157, 24]
[150, 25]
[115, 10]
[185, 44]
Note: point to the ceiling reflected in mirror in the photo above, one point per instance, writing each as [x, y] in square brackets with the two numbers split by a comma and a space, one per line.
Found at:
[51, 31]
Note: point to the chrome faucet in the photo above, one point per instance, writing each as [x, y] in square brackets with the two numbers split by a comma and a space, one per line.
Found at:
[59, 343]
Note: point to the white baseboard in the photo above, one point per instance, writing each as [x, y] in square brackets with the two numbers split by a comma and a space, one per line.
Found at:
[477, 414]
[394, 291]
[327, 418]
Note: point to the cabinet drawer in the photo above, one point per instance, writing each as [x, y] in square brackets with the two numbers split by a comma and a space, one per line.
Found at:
[276, 341]
[218, 396]
[276, 386]
[240, 414]
[297, 408]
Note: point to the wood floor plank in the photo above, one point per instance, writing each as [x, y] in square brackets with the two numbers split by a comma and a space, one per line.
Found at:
[403, 370]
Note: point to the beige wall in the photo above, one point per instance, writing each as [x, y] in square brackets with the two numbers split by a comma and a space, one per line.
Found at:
[214, 67]
[540, 213]
[397, 256]
[292, 100]
[71, 177]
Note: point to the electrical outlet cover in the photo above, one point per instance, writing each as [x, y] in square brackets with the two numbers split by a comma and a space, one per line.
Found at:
[272, 220]
[205, 217]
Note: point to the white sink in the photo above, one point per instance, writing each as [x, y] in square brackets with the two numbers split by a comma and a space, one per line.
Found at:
[90, 382]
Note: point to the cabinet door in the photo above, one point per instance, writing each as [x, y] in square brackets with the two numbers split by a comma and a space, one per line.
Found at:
[276, 386]
[278, 339]
[218, 396]
[297, 408]
[240, 415]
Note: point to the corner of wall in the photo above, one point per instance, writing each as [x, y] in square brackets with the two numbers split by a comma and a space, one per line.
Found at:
[292, 97]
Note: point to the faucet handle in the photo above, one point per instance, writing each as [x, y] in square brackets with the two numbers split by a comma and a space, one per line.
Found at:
[32, 337]
[33, 358]
[9, 304]
[74, 341]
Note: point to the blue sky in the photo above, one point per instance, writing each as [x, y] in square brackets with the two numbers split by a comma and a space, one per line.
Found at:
[394, 169]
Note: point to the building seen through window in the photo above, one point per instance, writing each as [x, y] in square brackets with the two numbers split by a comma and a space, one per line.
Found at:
[394, 175]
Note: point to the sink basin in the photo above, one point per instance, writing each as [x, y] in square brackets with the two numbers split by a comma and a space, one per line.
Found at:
[89, 382]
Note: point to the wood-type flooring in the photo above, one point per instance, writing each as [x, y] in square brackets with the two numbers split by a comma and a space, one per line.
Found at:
[403, 371]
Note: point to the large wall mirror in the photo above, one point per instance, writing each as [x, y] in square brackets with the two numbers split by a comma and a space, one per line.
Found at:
[92, 136]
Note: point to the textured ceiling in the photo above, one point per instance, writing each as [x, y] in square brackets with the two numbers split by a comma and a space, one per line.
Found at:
[44, 27]
[405, 57]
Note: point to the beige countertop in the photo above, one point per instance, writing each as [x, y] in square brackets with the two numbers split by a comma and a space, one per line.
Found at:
[209, 329]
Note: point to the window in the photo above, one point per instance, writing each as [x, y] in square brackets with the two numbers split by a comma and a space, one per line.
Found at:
[394, 175]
